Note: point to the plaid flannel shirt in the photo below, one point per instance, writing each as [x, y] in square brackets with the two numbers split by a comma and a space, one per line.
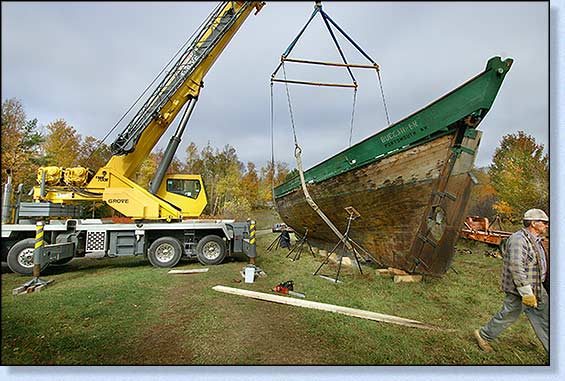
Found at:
[522, 265]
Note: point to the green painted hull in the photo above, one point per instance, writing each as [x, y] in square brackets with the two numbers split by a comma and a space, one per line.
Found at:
[472, 99]
[410, 183]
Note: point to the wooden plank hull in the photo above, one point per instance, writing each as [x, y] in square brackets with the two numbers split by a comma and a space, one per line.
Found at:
[401, 223]
[410, 182]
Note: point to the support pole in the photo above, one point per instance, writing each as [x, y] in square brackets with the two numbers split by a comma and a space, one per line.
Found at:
[253, 242]
[36, 284]
[39, 243]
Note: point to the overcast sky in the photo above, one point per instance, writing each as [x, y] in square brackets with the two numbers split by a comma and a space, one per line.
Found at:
[87, 62]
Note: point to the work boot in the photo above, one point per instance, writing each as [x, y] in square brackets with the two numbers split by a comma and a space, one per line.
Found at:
[483, 344]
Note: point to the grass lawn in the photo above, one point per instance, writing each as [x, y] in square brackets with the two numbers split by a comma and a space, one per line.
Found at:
[125, 312]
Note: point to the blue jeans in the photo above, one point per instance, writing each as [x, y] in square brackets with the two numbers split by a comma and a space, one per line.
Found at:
[510, 312]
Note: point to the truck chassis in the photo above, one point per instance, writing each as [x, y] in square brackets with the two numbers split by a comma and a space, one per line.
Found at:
[164, 244]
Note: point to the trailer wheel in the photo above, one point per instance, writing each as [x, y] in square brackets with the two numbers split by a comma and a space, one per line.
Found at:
[20, 257]
[165, 252]
[211, 250]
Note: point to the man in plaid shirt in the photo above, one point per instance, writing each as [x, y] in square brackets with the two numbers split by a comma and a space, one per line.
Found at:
[524, 270]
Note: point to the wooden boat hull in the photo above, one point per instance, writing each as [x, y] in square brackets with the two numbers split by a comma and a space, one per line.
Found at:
[411, 200]
[392, 197]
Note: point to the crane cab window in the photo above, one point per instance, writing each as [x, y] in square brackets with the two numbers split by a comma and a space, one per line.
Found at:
[188, 188]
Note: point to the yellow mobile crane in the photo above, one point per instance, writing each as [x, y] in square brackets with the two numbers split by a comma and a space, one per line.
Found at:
[159, 231]
[179, 195]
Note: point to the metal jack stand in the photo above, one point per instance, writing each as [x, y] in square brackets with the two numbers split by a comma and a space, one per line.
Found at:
[297, 249]
[34, 285]
[284, 235]
[348, 244]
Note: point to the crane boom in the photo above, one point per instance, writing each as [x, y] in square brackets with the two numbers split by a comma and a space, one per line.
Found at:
[178, 196]
[182, 83]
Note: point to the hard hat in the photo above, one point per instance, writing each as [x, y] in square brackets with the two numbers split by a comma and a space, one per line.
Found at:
[535, 215]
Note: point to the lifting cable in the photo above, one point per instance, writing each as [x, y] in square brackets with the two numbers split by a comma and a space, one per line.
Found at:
[298, 149]
[298, 156]
[352, 115]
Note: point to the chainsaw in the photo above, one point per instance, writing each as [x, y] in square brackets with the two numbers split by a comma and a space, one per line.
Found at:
[287, 288]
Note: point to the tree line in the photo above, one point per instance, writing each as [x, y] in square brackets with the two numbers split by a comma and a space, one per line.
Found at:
[233, 188]
[517, 179]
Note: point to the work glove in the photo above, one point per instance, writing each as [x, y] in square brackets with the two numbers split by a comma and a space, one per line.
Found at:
[530, 301]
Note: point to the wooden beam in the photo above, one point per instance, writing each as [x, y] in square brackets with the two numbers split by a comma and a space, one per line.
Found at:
[407, 278]
[296, 60]
[384, 272]
[32, 288]
[313, 83]
[394, 271]
[191, 271]
[327, 307]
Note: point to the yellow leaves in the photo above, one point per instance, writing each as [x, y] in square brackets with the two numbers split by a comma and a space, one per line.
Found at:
[62, 145]
[250, 183]
[519, 174]
[20, 144]
[504, 210]
[93, 153]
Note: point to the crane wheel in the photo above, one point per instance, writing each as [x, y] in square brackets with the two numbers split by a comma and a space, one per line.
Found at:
[211, 250]
[20, 257]
[165, 252]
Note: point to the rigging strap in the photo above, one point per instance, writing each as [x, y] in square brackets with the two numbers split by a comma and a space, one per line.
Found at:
[298, 156]
[310, 201]
[349, 243]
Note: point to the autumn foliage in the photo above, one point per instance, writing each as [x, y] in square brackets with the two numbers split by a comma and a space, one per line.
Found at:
[21, 144]
[520, 175]
[484, 195]
[517, 179]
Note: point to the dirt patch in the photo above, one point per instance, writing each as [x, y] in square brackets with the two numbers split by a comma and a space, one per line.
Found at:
[163, 343]
[229, 330]
[266, 334]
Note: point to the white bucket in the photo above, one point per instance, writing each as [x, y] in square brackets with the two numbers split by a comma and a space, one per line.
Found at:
[249, 274]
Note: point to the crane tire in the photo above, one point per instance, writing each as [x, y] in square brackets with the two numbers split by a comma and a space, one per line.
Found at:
[211, 250]
[20, 257]
[165, 252]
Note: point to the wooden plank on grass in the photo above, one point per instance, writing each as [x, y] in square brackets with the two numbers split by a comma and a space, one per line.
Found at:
[33, 288]
[192, 271]
[330, 279]
[384, 272]
[326, 307]
[394, 271]
[407, 278]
